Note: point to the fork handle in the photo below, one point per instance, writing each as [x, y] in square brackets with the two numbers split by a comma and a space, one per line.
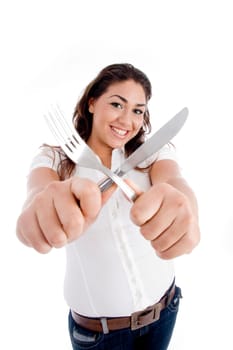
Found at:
[107, 182]
[128, 191]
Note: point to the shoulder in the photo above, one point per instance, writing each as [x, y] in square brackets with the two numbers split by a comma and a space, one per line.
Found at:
[164, 169]
[47, 156]
[166, 152]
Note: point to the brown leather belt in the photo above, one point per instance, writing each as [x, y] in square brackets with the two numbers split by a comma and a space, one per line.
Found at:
[136, 320]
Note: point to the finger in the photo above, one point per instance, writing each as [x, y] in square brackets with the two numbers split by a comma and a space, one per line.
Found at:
[50, 223]
[108, 193]
[162, 220]
[171, 213]
[20, 233]
[147, 205]
[66, 219]
[22, 238]
[89, 196]
[177, 249]
[31, 235]
[180, 225]
[48, 220]
[184, 245]
[169, 237]
[137, 190]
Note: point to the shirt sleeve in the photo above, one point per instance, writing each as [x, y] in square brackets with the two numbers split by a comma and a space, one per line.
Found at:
[46, 157]
[166, 152]
[50, 158]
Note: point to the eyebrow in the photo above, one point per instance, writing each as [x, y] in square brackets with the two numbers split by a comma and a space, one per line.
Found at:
[124, 100]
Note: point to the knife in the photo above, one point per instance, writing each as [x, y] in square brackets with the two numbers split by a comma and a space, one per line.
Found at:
[149, 147]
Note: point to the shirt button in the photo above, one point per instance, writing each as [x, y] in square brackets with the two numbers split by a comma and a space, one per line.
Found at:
[114, 213]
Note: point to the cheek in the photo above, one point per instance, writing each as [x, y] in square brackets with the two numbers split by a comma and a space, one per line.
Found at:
[138, 123]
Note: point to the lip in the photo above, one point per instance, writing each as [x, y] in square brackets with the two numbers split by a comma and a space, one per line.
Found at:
[119, 132]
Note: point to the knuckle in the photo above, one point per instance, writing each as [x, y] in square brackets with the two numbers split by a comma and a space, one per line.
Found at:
[135, 214]
[54, 186]
[88, 185]
[42, 247]
[163, 190]
[92, 214]
[91, 188]
[165, 255]
[50, 191]
[147, 233]
[159, 246]
[22, 227]
[163, 187]
[155, 245]
[19, 224]
[161, 243]
[181, 201]
[57, 240]
[39, 200]
[187, 220]
[74, 226]
[193, 241]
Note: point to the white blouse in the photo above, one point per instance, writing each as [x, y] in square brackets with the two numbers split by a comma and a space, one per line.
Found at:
[111, 269]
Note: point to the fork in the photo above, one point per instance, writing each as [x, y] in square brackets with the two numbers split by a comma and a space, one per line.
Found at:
[78, 150]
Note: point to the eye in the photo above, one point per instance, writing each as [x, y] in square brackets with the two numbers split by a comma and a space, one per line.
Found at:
[116, 105]
[138, 111]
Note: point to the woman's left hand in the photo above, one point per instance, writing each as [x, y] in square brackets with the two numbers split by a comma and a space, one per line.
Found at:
[168, 219]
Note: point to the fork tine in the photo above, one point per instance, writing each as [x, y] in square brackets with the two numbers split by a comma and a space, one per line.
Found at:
[61, 129]
[56, 131]
[70, 141]
[71, 133]
[53, 127]
[68, 137]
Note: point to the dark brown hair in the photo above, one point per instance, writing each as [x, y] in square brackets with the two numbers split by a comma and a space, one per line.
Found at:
[82, 118]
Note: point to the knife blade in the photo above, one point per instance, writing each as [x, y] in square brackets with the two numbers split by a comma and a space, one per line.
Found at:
[150, 146]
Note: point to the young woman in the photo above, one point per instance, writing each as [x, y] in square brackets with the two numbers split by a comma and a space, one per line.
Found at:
[119, 282]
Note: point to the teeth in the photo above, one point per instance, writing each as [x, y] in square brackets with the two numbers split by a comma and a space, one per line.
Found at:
[120, 131]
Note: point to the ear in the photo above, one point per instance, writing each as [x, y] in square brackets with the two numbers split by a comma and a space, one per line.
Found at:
[91, 104]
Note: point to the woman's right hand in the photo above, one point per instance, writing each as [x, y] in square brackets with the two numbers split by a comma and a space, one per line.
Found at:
[59, 213]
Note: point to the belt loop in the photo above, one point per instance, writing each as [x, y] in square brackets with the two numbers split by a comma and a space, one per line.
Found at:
[104, 324]
[170, 294]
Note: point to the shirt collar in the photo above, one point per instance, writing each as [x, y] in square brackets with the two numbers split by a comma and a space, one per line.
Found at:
[118, 155]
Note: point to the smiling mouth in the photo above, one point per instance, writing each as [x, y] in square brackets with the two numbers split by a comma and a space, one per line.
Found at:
[119, 132]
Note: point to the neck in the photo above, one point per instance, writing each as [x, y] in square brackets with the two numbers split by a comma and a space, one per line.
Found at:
[104, 153]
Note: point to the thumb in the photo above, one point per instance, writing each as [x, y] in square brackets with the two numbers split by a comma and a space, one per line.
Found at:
[135, 188]
[107, 193]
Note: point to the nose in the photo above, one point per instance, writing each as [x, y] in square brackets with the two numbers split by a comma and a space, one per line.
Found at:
[125, 117]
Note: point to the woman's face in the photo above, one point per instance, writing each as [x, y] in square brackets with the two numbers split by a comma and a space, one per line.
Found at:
[117, 115]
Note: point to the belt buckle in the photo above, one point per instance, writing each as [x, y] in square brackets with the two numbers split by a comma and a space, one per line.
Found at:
[143, 318]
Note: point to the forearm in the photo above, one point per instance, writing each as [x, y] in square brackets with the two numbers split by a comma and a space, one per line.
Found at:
[38, 180]
[168, 171]
[181, 185]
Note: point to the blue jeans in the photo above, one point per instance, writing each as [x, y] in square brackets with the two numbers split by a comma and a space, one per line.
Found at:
[155, 336]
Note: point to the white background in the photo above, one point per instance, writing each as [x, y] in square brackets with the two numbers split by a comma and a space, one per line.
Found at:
[50, 50]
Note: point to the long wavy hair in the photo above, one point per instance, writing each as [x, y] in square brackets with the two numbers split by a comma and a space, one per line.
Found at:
[82, 118]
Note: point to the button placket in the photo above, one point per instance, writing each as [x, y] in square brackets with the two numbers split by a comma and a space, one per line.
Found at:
[127, 257]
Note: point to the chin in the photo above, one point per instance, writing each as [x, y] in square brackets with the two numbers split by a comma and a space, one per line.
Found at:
[118, 143]
[122, 144]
